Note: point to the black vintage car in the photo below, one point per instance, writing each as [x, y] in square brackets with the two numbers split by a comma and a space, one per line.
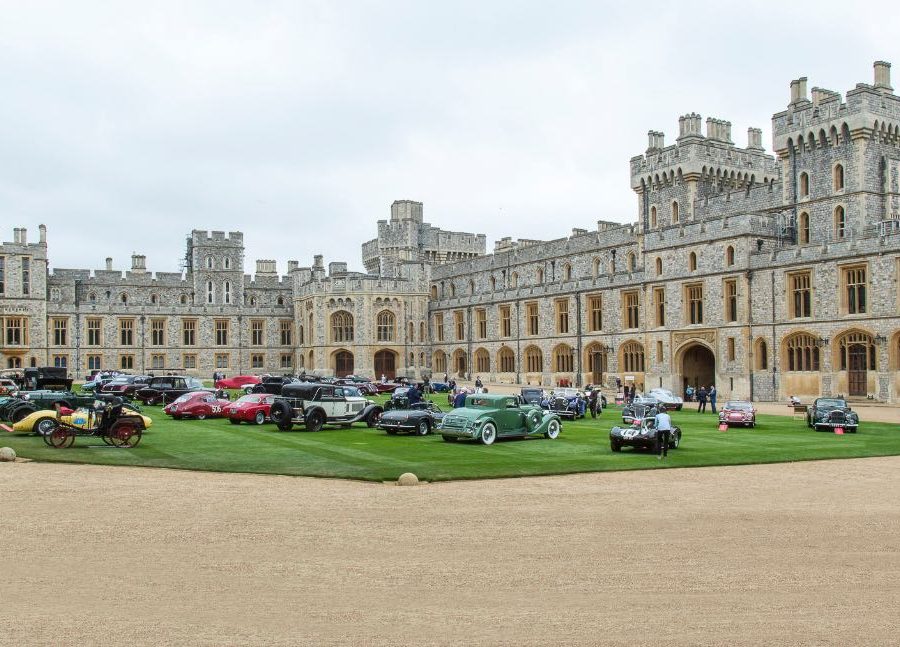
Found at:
[399, 415]
[314, 405]
[639, 408]
[273, 384]
[166, 388]
[532, 395]
[641, 434]
[46, 377]
[126, 385]
[826, 414]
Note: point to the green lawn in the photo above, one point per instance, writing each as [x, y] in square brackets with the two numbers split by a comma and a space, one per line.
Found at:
[369, 454]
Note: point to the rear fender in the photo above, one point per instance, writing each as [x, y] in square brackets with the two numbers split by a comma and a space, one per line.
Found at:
[541, 428]
[365, 413]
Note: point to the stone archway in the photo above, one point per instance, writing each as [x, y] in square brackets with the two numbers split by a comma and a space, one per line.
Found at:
[386, 364]
[343, 363]
[697, 364]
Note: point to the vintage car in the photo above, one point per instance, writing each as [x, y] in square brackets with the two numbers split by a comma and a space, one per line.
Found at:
[639, 408]
[440, 387]
[238, 382]
[8, 387]
[399, 415]
[167, 388]
[366, 388]
[487, 417]
[253, 407]
[96, 384]
[25, 403]
[738, 412]
[125, 385]
[641, 434]
[566, 402]
[532, 395]
[44, 421]
[666, 397]
[197, 404]
[273, 384]
[826, 414]
[314, 405]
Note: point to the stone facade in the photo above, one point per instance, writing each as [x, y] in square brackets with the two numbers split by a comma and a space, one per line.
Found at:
[768, 275]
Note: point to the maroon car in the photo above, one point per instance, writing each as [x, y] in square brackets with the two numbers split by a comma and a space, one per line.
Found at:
[738, 412]
[125, 385]
[198, 404]
[253, 408]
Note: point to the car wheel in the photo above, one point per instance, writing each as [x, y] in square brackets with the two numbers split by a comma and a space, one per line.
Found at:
[315, 421]
[488, 433]
[615, 445]
[201, 416]
[449, 439]
[372, 419]
[423, 429]
[676, 441]
[552, 430]
[21, 412]
[234, 421]
[259, 418]
[44, 426]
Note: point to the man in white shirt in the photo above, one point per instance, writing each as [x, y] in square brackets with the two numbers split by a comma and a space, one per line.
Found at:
[663, 424]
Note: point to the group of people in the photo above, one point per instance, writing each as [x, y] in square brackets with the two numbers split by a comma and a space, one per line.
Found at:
[704, 395]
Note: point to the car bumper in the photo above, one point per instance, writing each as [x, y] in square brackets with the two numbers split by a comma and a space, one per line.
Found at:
[397, 426]
[834, 425]
[634, 442]
[457, 432]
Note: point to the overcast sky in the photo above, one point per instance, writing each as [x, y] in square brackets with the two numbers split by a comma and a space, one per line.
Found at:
[299, 123]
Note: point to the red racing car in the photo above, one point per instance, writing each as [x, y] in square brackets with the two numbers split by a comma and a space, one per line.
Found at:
[197, 404]
[250, 408]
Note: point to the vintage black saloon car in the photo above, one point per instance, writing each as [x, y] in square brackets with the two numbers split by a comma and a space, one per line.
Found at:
[314, 405]
[399, 415]
[826, 414]
[167, 388]
[641, 434]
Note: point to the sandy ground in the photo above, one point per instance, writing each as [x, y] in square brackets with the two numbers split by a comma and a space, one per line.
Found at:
[803, 553]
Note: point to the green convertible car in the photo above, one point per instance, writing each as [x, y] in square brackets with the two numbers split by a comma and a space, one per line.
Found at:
[487, 417]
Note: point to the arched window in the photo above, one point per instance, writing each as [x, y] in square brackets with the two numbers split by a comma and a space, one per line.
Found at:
[452, 289]
[493, 284]
[471, 287]
[434, 292]
[341, 326]
[630, 262]
[300, 338]
[183, 299]
[123, 298]
[692, 262]
[563, 359]
[804, 185]
[209, 262]
[227, 263]
[676, 216]
[227, 291]
[803, 229]
[385, 325]
[762, 355]
[411, 334]
[482, 361]
[862, 340]
[154, 299]
[209, 292]
[802, 353]
[439, 360]
[506, 360]
[658, 266]
[92, 297]
[567, 272]
[422, 333]
[729, 256]
[539, 276]
[840, 222]
[653, 219]
[534, 361]
[514, 280]
[633, 357]
[596, 267]
[838, 177]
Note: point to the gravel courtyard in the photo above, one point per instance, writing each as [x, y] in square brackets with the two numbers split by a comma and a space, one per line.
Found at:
[801, 553]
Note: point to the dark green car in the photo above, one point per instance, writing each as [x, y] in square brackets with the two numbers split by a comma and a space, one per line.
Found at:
[487, 417]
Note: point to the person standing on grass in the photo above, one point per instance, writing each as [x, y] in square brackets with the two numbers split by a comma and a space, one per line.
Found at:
[663, 425]
[701, 398]
[593, 397]
[712, 398]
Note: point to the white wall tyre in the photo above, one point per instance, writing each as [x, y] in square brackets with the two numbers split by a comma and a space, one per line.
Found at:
[552, 430]
[676, 441]
[488, 433]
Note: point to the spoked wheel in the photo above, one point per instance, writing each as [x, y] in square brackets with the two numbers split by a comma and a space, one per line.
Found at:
[373, 418]
[423, 428]
[488, 433]
[314, 421]
[60, 438]
[44, 426]
[125, 434]
[676, 441]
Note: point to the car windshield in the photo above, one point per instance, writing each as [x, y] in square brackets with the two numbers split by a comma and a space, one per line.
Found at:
[831, 403]
[184, 398]
[738, 406]
[662, 392]
[352, 391]
[401, 391]
[250, 398]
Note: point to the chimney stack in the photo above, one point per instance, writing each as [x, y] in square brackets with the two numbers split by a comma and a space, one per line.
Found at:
[23, 236]
[109, 263]
[801, 88]
[138, 263]
[43, 234]
[754, 139]
[293, 265]
[318, 262]
[883, 76]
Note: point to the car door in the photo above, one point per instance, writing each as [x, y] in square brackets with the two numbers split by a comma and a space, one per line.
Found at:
[329, 403]
[511, 418]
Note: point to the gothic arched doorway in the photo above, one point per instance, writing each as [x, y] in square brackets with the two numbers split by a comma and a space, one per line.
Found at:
[386, 364]
[698, 367]
[343, 363]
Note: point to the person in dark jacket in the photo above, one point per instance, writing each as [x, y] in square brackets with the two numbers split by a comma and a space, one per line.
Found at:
[701, 398]
[460, 400]
[712, 398]
[593, 401]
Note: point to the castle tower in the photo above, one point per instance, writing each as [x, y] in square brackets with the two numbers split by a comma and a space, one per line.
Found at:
[669, 180]
[216, 264]
[838, 158]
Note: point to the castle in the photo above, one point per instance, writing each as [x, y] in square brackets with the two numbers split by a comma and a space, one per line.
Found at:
[766, 275]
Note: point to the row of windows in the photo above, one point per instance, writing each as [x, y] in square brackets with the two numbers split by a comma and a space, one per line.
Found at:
[183, 299]
[837, 181]
[158, 332]
[188, 361]
[342, 327]
[839, 228]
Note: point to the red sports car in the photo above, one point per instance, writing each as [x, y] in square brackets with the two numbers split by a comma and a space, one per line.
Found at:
[250, 408]
[738, 412]
[238, 381]
[197, 404]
